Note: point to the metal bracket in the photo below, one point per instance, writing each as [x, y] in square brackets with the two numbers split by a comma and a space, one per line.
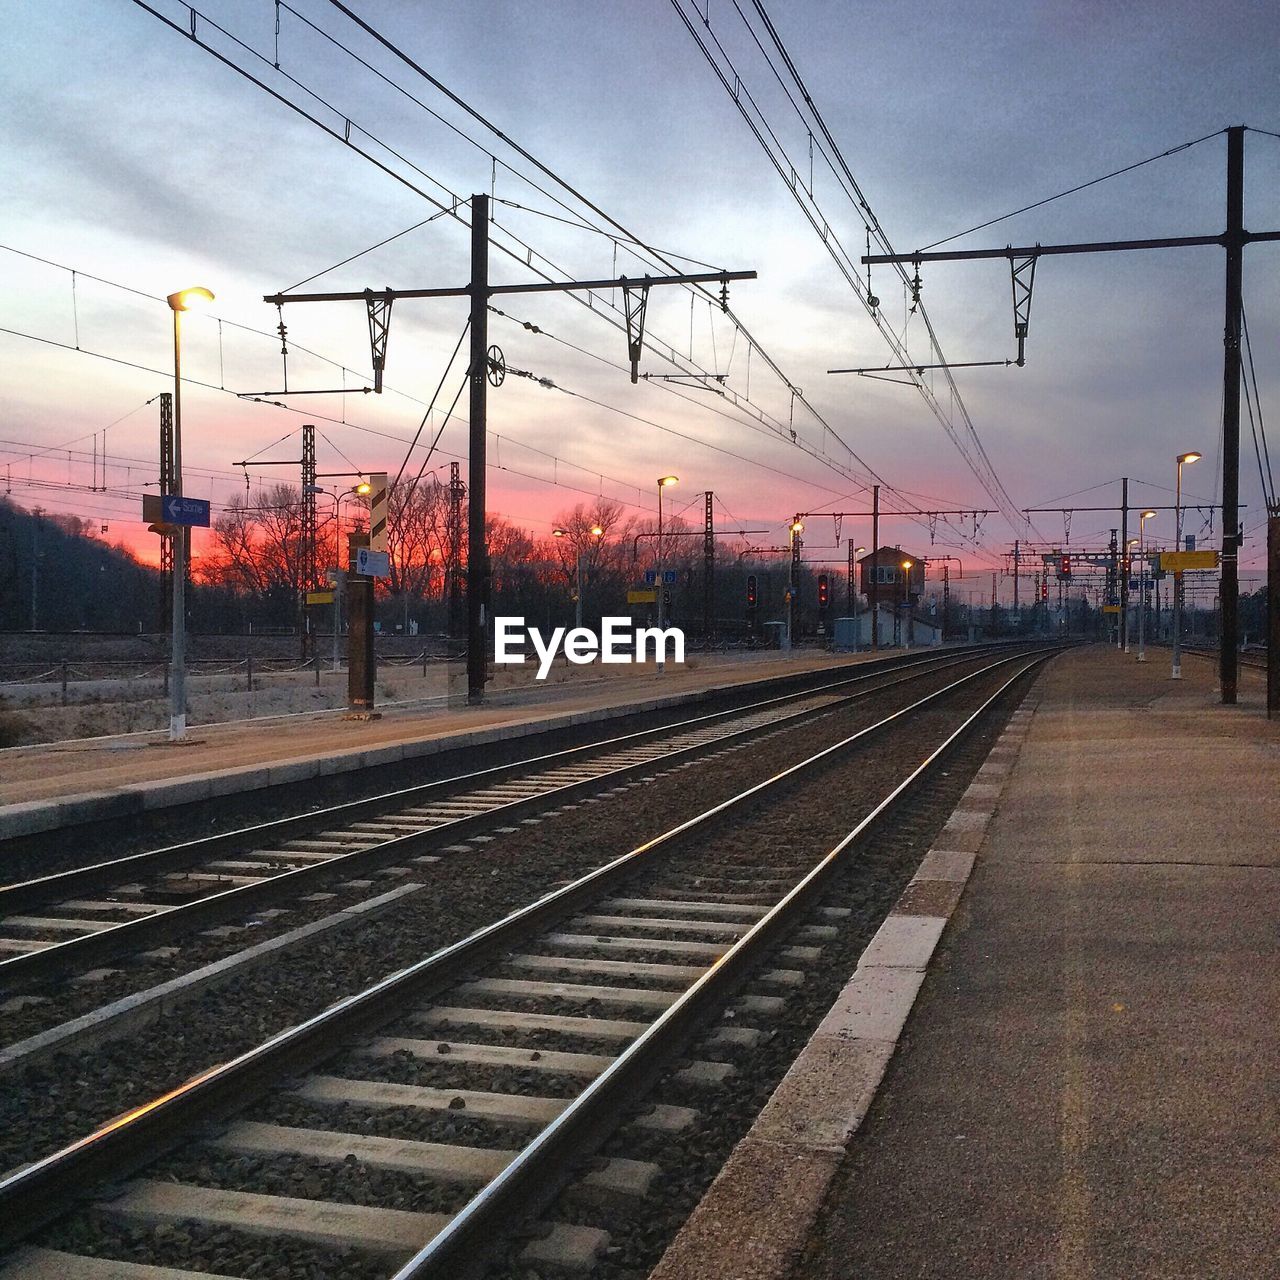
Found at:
[379, 307]
[1023, 274]
[635, 300]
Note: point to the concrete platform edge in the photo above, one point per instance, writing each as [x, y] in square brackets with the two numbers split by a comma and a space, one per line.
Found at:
[756, 1216]
[131, 1013]
[36, 816]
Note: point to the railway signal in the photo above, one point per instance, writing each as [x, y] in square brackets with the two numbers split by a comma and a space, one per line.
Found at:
[824, 591]
[753, 598]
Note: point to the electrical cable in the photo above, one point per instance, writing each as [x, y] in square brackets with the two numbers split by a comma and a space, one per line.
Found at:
[1083, 186]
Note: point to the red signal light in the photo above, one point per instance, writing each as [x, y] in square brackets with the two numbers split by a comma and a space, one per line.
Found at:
[824, 591]
[751, 591]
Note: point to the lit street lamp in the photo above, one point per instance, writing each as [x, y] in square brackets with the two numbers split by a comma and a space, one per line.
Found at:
[183, 300]
[853, 593]
[1142, 584]
[596, 532]
[905, 634]
[797, 528]
[1183, 459]
[663, 482]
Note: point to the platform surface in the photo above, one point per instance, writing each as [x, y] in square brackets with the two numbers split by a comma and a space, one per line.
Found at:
[1087, 1085]
[56, 770]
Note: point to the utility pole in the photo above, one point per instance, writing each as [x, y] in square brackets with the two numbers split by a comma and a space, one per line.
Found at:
[1229, 588]
[1124, 564]
[1017, 548]
[1273, 612]
[1233, 240]
[453, 572]
[708, 569]
[1113, 583]
[166, 487]
[873, 594]
[487, 366]
[307, 556]
[477, 373]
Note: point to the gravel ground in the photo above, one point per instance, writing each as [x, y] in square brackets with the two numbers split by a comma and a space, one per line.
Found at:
[46, 1107]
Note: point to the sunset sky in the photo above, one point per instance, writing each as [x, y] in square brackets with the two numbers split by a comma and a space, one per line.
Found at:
[136, 157]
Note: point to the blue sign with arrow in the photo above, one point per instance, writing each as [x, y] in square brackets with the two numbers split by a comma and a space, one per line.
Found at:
[186, 511]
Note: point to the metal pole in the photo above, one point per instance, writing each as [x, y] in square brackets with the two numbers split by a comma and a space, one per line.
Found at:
[178, 643]
[874, 584]
[1273, 614]
[1124, 564]
[1177, 580]
[661, 586]
[338, 577]
[1017, 547]
[1229, 590]
[577, 610]
[1142, 588]
[477, 548]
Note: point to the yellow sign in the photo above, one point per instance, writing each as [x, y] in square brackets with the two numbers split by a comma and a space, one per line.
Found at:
[1181, 561]
[319, 597]
[1110, 608]
[642, 597]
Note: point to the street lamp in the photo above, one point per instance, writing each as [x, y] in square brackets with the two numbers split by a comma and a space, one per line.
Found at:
[796, 529]
[1184, 459]
[596, 532]
[663, 483]
[183, 300]
[853, 592]
[1142, 584]
[905, 634]
[359, 490]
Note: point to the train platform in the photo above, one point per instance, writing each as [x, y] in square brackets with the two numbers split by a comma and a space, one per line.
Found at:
[1080, 1080]
[56, 784]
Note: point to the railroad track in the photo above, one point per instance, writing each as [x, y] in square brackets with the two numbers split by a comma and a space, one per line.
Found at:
[1211, 652]
[71, 921]
[631, 961]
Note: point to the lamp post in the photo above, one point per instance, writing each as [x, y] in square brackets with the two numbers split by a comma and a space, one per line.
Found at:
[797, 528]
[1142, 584]
[906, 633]
[1184, 459]
[663, 482]
[339, 574]
[853, 592]
[183, 300]
[596, 532]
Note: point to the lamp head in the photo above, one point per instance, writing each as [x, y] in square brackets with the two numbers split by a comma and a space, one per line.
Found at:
[665, 481]
[906, 564]
[1189, 457]
[857, 551]
[190, 299]
[558, 533]
[362, 488]
[797, 526]
[1147, 515]
[597, 531]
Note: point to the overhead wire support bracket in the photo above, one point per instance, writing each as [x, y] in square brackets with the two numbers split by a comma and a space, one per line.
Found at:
[379, 308]
[1022, 272]
[635, 302]
[881, 369]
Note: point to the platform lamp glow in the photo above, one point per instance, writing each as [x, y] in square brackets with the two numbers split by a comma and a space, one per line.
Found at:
[1142, 584]
[183, 300]
[1184, 459]
[663, 483]
[339, 574]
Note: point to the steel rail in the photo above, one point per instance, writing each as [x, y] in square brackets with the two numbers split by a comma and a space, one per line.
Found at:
[49, 1187]
[146, 931]
[533, 1179]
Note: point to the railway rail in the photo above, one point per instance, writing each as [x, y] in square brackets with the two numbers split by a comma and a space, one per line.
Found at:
[634, 959]
[73, 920]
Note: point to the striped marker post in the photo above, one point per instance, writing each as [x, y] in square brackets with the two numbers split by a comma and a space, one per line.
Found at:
[378, 511]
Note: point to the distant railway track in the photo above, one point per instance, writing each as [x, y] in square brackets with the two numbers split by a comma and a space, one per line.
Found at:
[72, 921]
[1258, 662]
[634, 960]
